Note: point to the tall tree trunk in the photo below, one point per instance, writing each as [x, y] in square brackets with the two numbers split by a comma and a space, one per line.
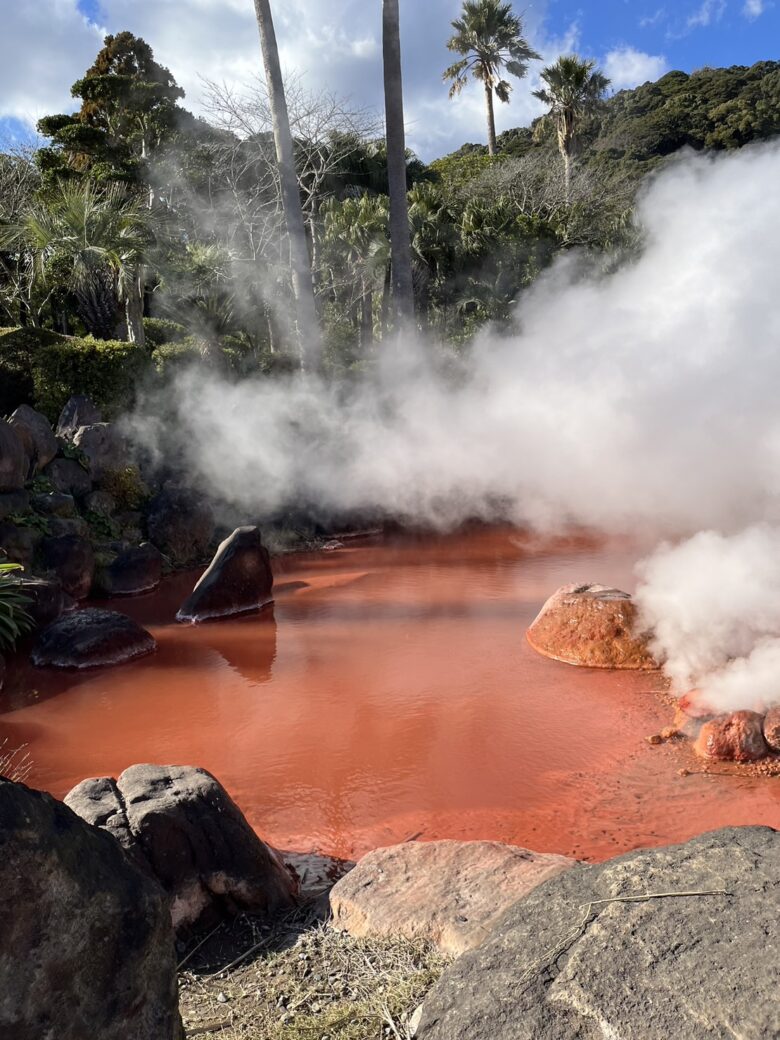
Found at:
[491, 118]
[400, 241]
[134, 310]
[367, 318]
[308, 331]
[385, 311]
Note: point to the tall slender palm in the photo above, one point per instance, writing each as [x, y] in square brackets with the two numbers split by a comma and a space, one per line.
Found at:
[490, 37]
[309, 336]
[403, 287]
[575, 89]
[97, 240]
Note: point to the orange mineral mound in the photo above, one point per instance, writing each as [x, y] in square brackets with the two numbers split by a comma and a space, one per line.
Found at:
[737, 737]
[592, 626]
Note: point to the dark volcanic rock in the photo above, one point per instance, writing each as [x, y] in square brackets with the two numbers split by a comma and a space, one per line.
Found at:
[103, 447]
[71, 558]
[34, 431]
[738, 737]
[55, 503]
[181, 524]
[134, 570]
[13, 461]
[12, 502]
[87, 948]
[19, 543]
[100, 502]
[78, 411]
[90, 638]
[238, 579]
[570, 963]
[47, 599]
[69, 477]
[591, 625]
[194, 839]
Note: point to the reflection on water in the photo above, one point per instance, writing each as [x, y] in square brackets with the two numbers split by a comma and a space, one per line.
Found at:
[390, 693]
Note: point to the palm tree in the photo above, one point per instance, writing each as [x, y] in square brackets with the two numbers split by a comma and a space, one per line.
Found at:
[403, 287]
[490, 38]
[575, 89]
[95, 240]
[309, 336]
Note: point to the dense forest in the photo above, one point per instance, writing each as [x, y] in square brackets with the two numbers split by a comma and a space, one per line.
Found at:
[141, 237]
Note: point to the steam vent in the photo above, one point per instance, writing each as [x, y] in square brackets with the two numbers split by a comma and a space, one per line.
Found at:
[591, 626]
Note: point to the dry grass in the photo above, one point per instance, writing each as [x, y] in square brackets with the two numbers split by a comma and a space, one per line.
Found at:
[304, 981]
[15, 763]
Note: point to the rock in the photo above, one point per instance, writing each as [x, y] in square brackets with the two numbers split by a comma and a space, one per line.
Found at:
[69, 477]
[102, 446]
[2, 671]
[13, 461]
[448, 892]
[71, 558]
[78, 411]
[591, 625]
[72, 525]
[238, 579]
[19, 543]
[738, 737]
[55, 503]
[100, 502]
[47, 599]
[181, 524]
[194, 839]
[13, 502]
[135, 570]
[772, 729]
[91, 638]
[34, 431]
[87, 948]
[562, 965]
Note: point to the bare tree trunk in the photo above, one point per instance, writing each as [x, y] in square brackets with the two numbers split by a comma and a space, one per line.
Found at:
[491, 119]
[308, 331]
[367, 318]
[400, 241]
[134, 310]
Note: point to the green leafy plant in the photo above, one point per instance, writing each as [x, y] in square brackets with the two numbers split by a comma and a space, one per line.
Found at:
[126, 487]
[40, 485]
[14, 619]
[33, 520]
[102, 526]
[70, 451]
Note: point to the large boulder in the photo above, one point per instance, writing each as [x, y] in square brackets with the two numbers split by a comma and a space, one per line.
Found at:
[70, 557]
[55, 503]
[591, 625]
[193, 838]
[47, 600]
[738, 737]
[13, 502]
[181, 524]
[448, 892]
[133, 571]
[238, 579]
[36, 435]
[19, 543]
[90, 639]
[772, 729]
[13, 461]
[671, 942]
[103, 448]
[78, 411]
[87, 948]
[69, 477]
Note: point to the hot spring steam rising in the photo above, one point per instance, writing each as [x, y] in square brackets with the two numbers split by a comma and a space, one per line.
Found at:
[646, 398]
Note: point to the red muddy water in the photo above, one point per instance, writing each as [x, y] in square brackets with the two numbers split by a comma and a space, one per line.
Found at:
[390, 693]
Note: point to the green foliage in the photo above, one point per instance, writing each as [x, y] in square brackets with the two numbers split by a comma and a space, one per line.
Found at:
[32, 520]
[70, 451]
[14, 619]
[162, 330]
[170, 358]
[102, 527]
[126, 487]
[490, 37]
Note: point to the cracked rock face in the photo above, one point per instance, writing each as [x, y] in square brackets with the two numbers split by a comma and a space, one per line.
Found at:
[592, 626]
[182, 828]
[579, 959]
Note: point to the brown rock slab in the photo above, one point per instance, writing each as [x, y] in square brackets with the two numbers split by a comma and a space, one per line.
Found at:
[191, 836]
[239, 579]
[87, 947]
[592, 626]
[738, 737]
[34, 431]
[449, 892]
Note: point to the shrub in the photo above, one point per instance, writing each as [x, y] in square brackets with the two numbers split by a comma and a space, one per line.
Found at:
[18, 350]
[14, 619]
[161, 330]
[173, 357]
[126, 487]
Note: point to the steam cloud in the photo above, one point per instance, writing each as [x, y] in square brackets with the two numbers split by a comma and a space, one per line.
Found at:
[644, 398]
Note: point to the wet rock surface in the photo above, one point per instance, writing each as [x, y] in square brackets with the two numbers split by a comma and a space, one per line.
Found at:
[89, 639]
[180, 524]
[239, 579]
[36, 435]
[71, 559]
[193, 838]
[87, 947]
[451, 893]
[13, 461]
[592, 626]
[569, 961]
[738, 737]
[133, 571]
[47, 600]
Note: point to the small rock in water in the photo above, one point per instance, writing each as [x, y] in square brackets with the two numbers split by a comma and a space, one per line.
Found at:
[238, 579]
[737, 737]
[90, 638]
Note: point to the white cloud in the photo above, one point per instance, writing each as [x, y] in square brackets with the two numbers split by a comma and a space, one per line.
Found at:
[708, 12]
[628, 67]
[754, 9]
[650, 20]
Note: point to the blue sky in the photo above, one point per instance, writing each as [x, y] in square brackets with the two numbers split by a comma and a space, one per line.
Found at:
[335, 44]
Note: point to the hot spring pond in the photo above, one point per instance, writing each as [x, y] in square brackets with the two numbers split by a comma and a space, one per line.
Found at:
[389, 694]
